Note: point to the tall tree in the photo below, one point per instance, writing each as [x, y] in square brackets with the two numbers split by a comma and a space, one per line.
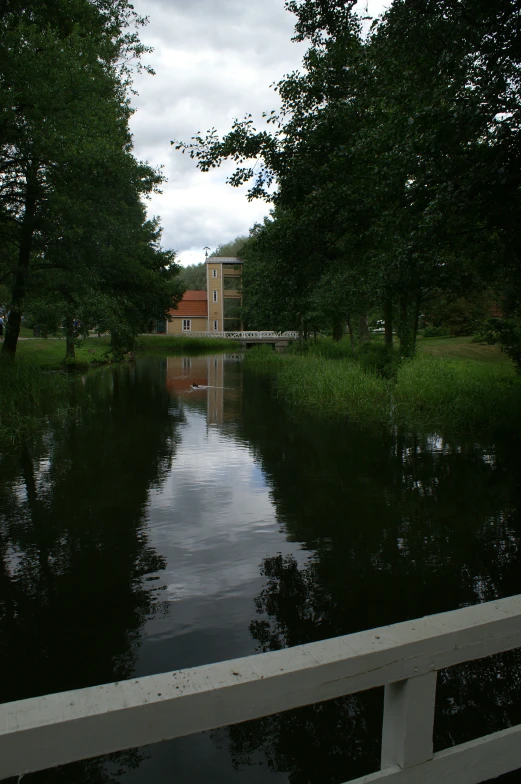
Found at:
[65, 150]
[401, 160]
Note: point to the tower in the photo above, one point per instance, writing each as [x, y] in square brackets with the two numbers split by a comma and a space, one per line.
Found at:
[223, 276]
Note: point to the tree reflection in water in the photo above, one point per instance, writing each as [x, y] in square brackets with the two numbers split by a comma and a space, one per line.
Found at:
[78, 578]
[396, 526]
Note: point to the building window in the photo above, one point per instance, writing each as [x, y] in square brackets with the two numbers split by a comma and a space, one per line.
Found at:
[215, 296]
[215, 326]
[187, 325]
[214, 273]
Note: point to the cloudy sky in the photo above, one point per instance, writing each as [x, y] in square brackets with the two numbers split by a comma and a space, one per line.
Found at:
[214, 60]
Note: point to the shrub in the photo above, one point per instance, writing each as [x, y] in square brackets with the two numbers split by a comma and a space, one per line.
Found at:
[435, 332]
[379, 358]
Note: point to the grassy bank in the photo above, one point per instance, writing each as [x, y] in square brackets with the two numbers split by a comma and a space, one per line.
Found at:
[172, 344]
[429, 391]
[50, 353]
[464, 348]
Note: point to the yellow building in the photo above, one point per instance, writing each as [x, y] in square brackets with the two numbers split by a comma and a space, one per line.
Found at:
[190, 315]
[215, 310]
[223, 276]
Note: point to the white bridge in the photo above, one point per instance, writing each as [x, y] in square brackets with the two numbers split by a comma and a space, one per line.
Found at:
[404, 658]
[250, 338]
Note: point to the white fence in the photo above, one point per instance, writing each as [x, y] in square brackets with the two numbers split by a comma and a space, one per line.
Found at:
[59, 728]
[244, 335]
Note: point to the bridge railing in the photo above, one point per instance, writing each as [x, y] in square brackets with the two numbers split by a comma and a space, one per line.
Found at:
[404, 658]
[254, 335]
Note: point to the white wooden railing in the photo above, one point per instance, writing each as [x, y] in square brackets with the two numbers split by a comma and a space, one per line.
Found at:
[252, 335]
[59, 728]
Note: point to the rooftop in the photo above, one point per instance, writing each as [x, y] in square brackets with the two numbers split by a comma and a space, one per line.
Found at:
[224, 260]
[192, 295]
[194, 303]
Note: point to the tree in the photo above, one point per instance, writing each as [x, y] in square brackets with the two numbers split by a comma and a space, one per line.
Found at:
[70, 191]
[193, 277]
[401, 161]
[232, 248]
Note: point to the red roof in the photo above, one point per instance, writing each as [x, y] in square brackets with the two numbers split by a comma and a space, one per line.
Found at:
[194, 303]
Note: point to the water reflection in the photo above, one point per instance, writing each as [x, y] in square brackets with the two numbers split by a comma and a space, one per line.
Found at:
[398, 526]
[173, 526]
[78, 574]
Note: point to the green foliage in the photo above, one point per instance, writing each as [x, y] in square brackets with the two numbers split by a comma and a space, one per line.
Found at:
[49, 353]
[433, 392]
[193, 277]
[507, 334]
[425, 392]
[435, 332]
[171, 344]
[457, 316]
[232, 248]
[372, 357]
[76, 242]
[396, 166]
[379, 358]
[327, 348]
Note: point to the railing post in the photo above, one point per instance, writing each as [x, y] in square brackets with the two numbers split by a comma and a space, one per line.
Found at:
[408, 721]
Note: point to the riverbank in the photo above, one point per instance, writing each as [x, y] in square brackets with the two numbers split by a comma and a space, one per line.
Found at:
[434, 390]
[50, 352]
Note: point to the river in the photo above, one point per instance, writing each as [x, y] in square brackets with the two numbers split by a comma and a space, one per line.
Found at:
[169, 527]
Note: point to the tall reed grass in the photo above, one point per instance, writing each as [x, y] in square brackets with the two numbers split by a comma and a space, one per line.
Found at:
[424, 392]
[467, 395]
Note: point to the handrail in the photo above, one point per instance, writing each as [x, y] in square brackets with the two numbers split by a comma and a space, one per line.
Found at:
[55, 729]
[259, 334]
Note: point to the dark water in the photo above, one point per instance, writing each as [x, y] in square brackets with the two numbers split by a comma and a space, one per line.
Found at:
[169, 528]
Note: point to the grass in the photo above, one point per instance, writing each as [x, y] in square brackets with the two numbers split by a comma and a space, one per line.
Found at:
[172, 344]
[50, 353]
[439, 388]
[464, 394]
[464, 348]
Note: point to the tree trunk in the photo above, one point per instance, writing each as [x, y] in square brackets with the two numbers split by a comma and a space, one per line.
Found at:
[350, 330]
[406, 330]
[70, 352]
[388, 319]
[337, 329]
[417, 305]
[14, 320]
[364, 328]
[403, 326]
